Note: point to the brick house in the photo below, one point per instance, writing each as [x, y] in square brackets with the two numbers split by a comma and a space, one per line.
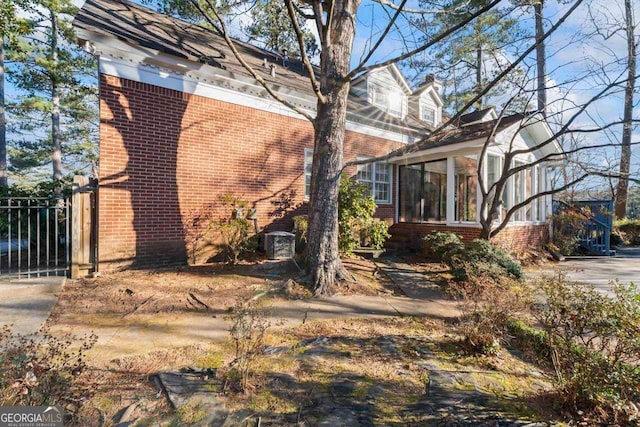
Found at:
[182, 123]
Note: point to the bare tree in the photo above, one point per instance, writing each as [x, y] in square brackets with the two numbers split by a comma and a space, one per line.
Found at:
[627, 130]
[495, 213]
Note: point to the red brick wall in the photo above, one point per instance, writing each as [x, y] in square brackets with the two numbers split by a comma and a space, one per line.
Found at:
[164, 155]
[521, 237]
[512, 238]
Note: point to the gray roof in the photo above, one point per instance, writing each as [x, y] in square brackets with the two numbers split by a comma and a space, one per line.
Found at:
[474, 116]
[145, 27]
[467, 133]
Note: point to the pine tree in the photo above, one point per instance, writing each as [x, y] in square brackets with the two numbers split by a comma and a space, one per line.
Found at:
[270, 26]
[11, 28]
[474, 55]
[56, 112]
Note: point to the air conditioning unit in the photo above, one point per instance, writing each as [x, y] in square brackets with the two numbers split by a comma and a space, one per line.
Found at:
[280, 245]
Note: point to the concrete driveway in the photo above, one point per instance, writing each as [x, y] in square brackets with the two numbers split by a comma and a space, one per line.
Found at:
[27, 303]
[599, 271]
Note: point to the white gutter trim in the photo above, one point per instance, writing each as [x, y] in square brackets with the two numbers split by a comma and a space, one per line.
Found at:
[189, 84]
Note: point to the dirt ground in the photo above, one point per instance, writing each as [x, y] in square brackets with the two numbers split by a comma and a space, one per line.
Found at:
[198, 289]
[369, 371]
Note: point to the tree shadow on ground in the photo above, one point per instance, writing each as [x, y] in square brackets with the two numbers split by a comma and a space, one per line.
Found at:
[333, 386]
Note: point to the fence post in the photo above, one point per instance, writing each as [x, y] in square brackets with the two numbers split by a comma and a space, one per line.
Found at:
[80, 228]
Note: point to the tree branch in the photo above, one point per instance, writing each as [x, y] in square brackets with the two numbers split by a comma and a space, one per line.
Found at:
[225, 34]
[439, 37]
[383, 35]
[303, 51]
[392, 5]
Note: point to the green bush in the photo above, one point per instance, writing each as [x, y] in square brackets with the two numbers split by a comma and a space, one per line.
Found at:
[595, 339]
[533, 342]
[443, 245]
[480, 259]
[356, 208]
[486, 258]
[628, 231]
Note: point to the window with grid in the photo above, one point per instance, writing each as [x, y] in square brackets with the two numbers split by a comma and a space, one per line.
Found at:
[377, 176]
[428, 114]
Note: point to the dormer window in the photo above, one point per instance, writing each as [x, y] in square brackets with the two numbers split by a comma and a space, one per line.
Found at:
[387, 100]
[428, 114]
[380, 97]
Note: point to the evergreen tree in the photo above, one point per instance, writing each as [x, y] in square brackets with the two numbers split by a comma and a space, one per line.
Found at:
[270, 25]
[56, 111]
[11, 28]
[474, 55]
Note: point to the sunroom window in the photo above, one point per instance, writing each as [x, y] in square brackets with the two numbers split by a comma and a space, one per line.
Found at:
[518, 191]
[540, 200]
[423, 192]
[493, 165]
[466, 188]
[528, 191]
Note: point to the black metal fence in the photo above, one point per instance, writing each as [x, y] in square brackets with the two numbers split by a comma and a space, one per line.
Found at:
[35, 237]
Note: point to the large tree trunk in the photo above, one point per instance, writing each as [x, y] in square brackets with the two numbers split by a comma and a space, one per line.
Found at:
[323, 257]
[3, 122]
[56, 144]
[625, 152]
[541, 58]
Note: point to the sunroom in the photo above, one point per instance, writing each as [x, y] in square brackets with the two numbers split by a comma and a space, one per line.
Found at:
[437, 179]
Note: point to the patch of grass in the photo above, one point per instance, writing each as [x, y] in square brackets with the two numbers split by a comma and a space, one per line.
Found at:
[266, 401]
[213, 360]
[190, 413]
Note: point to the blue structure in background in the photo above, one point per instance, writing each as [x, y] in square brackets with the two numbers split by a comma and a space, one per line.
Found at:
[595, 235]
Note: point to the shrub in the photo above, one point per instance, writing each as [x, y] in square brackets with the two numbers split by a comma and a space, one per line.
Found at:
[443, 245]
[356, 208]
[300, 227]
[486, 306]
[596, 348]
[628, 231]
[533, 342]
[567, 226]
[375, 232]
[42, 370]
[234, 230]
[480, 259]
[248, 329]
[484, 259]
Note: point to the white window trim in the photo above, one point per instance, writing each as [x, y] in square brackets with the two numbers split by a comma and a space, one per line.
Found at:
[450, 221]
[373, 181]
[435, 113]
